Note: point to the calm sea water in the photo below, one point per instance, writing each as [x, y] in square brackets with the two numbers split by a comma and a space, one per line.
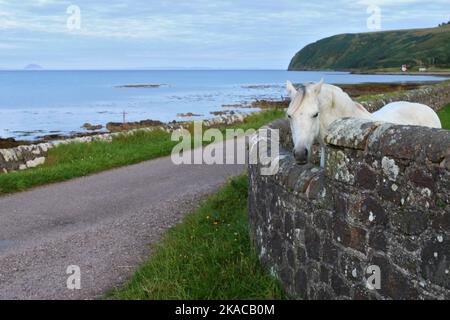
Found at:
[35, 103]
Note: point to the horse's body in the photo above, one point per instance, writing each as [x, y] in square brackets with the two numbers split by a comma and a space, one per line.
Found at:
[408, 113]
[315, 106]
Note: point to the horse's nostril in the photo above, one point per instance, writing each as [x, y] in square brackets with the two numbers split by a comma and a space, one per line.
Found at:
[301, 156]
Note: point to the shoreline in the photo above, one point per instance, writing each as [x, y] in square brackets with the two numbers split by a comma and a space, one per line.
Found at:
[443, 74]
[385, 73]
[354, 90]
[116, 127]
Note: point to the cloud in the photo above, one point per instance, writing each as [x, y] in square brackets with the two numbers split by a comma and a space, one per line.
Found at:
[197, 19]
[270, 31]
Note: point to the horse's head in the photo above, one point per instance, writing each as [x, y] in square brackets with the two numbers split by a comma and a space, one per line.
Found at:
[303, 114]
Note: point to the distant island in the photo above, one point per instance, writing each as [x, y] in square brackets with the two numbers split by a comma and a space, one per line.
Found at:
[415, 49]
[33, 67]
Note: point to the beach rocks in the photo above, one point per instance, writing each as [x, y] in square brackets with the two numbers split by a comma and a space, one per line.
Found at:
[11, 143]
[188, 115]
[271, 104]
[221, 113]
[120, 126]
[363, 89]
[91, 127]
[261, 104]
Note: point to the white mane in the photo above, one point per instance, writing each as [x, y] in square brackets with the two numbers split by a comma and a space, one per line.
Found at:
[335, 104]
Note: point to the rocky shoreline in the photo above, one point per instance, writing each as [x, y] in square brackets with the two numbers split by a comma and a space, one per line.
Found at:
[6, 143]
[354, 90]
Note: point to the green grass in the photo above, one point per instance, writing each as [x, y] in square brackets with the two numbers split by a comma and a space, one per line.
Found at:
[260, 119]
[444, 115]
[80, 159]
[208, 256]
[370, 97]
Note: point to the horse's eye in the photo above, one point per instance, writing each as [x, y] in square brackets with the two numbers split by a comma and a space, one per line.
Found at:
[316, 115]
[289, 116]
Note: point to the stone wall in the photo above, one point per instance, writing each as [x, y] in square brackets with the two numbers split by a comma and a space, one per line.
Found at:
[22, 157]
[383, 199]
[30, 156]
[437, 97]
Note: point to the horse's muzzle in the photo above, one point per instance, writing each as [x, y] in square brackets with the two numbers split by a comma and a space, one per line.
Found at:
[301, 156]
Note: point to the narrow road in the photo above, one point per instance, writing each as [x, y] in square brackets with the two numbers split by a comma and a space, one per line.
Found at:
[104, 223]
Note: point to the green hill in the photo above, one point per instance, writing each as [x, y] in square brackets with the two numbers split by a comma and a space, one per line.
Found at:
[376, 50]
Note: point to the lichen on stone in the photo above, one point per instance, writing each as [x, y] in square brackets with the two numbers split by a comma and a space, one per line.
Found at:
[390, 169]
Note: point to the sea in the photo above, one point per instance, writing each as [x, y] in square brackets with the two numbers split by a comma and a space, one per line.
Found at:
[38, 103]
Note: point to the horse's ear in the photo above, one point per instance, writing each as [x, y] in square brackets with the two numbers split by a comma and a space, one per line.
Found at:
[291, 89]
[318, 86]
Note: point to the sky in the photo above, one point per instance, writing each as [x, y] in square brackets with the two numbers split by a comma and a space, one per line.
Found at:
[218, 34]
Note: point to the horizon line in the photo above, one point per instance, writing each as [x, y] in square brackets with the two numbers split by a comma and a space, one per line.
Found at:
[147, 69]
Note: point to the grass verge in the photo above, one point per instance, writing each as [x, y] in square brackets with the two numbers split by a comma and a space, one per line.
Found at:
[80, 159]
[208, 256]
[366, 98]
[444, 115]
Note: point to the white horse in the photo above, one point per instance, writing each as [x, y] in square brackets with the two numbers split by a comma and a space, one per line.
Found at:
[316, 105]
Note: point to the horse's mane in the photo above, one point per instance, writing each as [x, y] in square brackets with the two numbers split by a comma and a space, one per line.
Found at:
[336, 98]
[341, 99]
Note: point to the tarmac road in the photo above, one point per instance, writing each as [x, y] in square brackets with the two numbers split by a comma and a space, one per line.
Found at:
[102, 223]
